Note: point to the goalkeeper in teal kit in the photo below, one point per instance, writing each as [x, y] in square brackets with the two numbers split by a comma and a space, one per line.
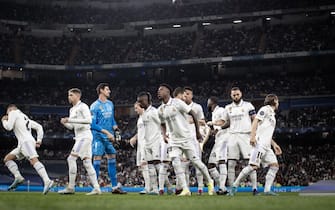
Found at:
[104, 130]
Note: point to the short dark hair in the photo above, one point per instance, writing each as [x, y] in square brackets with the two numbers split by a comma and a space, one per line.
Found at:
[75, 90]
[11, 106]
[167, 86]
[235, 88]
[178, 90]
[270, 99]
[188, 88]
[214, 99]
[145, 94]
[101, 86]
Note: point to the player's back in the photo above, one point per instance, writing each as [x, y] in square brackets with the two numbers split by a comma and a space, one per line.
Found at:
[22, 126]
[152, 125]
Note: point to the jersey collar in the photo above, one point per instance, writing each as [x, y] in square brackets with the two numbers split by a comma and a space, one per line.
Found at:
[239, 104]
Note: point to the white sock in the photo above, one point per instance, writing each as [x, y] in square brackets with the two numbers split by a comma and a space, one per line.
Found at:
[39, 167]
[201, 166]
[200, 179]
[180, 175]
[244, 173]
[91, 173]
[269, 178]
[186, 167]
[253, 179]
[71, 161]
[13, 168]
[231, 172]
[215, 175]
[162, 175]
[153, 177]
[223, 176]
[146, 177]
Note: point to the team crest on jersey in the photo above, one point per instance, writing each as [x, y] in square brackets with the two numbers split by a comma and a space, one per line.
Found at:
[174, 109]
[242, 110]
[261, 113]
[230, 108]
[101, 108]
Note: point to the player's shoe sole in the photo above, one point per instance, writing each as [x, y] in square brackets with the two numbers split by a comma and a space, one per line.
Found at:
[94, 192]
[47, 187]
[185, 192]
[16, 183]
[66, 191]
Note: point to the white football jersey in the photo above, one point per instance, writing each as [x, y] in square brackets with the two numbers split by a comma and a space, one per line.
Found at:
[80, 120]
[140, 131]
[239, 116]
[21, 126]
[266, 125]
[174, 115]
[199, 113]
[218, 114]
[152, 126]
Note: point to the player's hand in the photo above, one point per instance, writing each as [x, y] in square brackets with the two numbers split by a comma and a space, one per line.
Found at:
[277, 149]
[5, 117]
[166, 138]
[132, 142]
[253, 141]
[110, 137]
[64, 120]
[210, 123]
[38, 144]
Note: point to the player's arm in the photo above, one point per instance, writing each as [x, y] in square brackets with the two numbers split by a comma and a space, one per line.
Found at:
[133, 140]
[252, 112]
[9, 120]
[196, 124]
[254, 127]
[276, 147]
[165, 136]
[39, 131]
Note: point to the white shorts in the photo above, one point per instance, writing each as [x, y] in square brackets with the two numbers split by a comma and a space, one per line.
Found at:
[239, 146]
[219, 150]
[262, 155]
[153, 152]
[140, 155]
[26, 150]
[185, 147]
[82, 148]
[165, 157]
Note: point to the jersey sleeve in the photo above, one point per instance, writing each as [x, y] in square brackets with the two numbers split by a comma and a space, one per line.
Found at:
[94, 114]
[9, 124]
[182, 106]
[113, 118]
[200, 112]
[252, 110]
[155, 117]
[261, 113]
[87, 118]
[39, 130]
[225, 115]
[160, 115]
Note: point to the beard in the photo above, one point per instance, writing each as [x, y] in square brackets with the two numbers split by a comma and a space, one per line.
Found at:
[237, 101]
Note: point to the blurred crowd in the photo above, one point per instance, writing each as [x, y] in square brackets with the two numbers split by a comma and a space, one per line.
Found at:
[77, 50]
[46, 14]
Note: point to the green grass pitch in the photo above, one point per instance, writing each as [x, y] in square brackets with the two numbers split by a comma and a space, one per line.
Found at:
[133, 201]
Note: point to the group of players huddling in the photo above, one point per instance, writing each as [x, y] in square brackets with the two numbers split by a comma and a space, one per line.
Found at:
[175, 132]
